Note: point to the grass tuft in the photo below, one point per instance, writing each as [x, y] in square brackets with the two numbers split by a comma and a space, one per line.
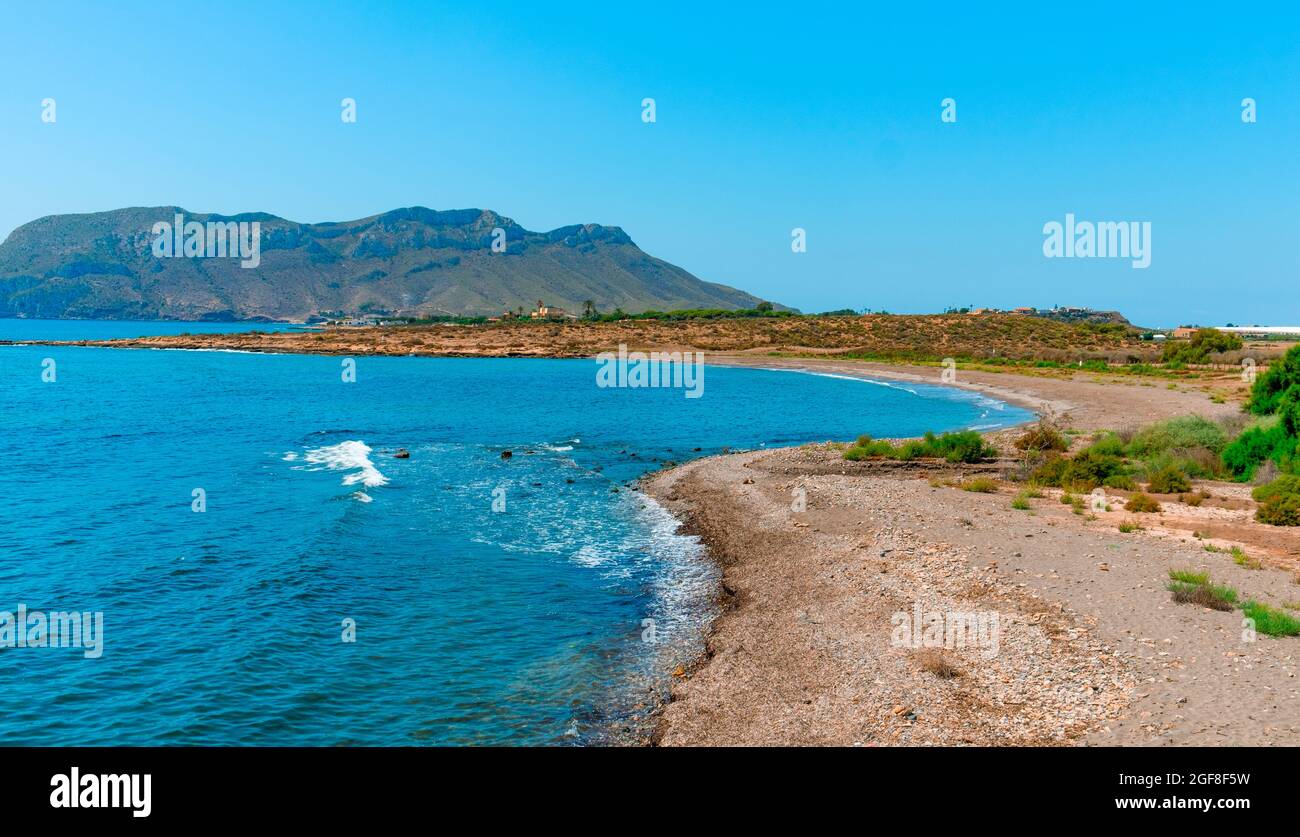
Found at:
[1190, 576]
[1241, 559]
[1270, 621]
[1205, 594]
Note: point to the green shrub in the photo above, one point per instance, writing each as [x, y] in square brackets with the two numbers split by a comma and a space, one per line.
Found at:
[980, 485]
[1190, 576]
[1050, 471]
[1168, 480]
[1042, 437]
[1182, 432]
[1121, 481]
[1276, 392]
[964, 446]
[1204, 342]
[869, 450]
[1288, 408]
[1142, 503]
[1279, 501]
[1021, 502]
[1281, 376]
[1256, 445]
[1283, 485]
[1108, 444]
[1092, 468]
[912, 450]
[1085, 471]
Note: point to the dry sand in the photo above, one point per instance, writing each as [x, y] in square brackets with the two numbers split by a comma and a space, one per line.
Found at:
[1091, 650]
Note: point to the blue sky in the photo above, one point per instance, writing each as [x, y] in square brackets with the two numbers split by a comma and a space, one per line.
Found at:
[769, 117]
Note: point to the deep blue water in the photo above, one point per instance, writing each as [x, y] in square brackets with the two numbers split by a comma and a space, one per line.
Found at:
[473, 626]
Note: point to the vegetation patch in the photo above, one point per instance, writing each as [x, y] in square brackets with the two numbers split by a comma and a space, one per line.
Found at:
[1279, 501]
[1271, 621]
[1168, 480]
[1042, 437]
[1190, 576]
[1190, 587]
[1241, 559]
[1276, 396]
[1205, 342]
[980, 485]
[1142, 504]
[963, 446]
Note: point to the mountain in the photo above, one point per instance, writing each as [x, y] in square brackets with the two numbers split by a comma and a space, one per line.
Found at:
[411, 262]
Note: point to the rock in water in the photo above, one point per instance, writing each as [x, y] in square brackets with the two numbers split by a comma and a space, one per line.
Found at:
[402, 453]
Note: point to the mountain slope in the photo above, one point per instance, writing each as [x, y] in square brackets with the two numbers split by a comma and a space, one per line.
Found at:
[414, 262]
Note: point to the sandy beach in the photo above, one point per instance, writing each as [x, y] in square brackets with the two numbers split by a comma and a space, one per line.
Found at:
[1091, 649]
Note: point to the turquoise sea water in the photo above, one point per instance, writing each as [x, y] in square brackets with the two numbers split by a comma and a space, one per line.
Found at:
[473, 625]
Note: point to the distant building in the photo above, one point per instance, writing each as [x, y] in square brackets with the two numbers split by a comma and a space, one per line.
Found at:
[1022, 310]
[1185, 332]
[549, 312]
[1263, 331]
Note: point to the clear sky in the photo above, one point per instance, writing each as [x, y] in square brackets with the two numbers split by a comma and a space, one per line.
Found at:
[769, 117]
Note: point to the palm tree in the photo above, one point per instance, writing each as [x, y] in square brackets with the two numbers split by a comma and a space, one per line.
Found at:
[589, 309]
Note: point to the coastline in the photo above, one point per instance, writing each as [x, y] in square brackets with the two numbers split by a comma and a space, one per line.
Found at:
[1092, 652]
[800, 653]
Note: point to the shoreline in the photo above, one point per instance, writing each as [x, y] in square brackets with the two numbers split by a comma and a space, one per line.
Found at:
[799, 652]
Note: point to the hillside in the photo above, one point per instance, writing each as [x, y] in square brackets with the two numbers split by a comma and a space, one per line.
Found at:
[410, 262]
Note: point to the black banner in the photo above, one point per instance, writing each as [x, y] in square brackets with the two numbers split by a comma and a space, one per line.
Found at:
[251, 786]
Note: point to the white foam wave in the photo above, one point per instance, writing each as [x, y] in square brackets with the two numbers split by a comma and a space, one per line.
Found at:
[838, 377]
[352, 456]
